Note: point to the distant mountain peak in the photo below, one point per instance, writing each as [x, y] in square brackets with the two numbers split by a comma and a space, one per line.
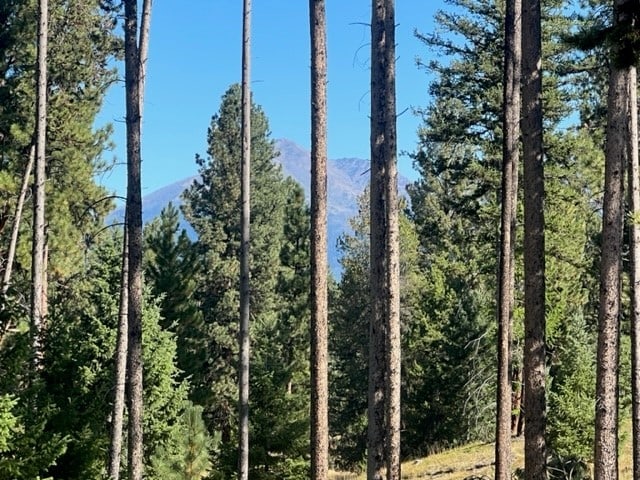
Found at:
[347, 178]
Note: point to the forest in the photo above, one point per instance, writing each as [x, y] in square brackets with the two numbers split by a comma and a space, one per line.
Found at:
[496, 299]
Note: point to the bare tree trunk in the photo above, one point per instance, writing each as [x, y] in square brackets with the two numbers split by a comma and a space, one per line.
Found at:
[319, 310]
[15, 231]
[510, 152]
[245, 344]
[534, 350]
[121, 353]
[384, 343]
[606, 428]
[17, 219]
[39, 235]
[516, 409]
[145, 27]
[117, 416]
[606, 434]
[634, 253]
[134, 233]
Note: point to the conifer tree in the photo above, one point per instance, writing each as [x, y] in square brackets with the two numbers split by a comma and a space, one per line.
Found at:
[245, 244]
[534, 253]
[510, 153]
[211, 205]
[38, 269]
[134, 239]
[319, 269]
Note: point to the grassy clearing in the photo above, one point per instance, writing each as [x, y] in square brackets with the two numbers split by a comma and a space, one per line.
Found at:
[476, 459]
[454, 464]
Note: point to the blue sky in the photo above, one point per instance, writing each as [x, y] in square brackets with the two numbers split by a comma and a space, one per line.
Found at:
[194, 56]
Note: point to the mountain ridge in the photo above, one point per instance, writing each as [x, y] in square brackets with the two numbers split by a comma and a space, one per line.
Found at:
[346, 180]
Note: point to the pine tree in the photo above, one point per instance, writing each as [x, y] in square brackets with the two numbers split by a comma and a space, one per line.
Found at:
[534, 373]
[510, 154]
[384, 327]
[319, 268]
[211, 205]
[190, 459]
[171, 268]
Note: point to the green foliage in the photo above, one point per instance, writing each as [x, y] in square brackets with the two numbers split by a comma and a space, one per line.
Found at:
[188, 458]
[349, 343]
[455, 206]
[8, 421]
[172, 268]
[82, 46]
[279, 286]
[572, 395]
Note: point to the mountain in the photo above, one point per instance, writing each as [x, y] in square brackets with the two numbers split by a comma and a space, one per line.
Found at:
[346, 180]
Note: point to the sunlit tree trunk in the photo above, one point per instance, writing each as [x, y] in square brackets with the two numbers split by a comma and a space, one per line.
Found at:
[17, 219]
[117, 415]
[510, 153]
[38, 267]
[134, 233]
[245, 347]
[384, 343]
[606, 428]
[534, 271]
[634, 254]
[319, 312]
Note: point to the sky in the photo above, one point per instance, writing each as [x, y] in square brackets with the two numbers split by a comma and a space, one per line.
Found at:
[194, 55]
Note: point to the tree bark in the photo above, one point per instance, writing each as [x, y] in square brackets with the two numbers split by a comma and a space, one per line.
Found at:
[134, 233]
[145, 27]
[319, 309]
[117, 416]
[516, 404]
[510, 152]
[606, 428]
[534, 269]
[384, 343]
[634, 253]
[17, 219]
[38, 266]
[245, 346]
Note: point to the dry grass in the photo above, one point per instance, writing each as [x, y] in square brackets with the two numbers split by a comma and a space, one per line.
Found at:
[477, 459]
[454, 464]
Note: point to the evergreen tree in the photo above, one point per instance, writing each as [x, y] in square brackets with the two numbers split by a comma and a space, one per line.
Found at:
[82, 43]
[211, 206]
[455, 206]
[349, 346]
[190, 458]
[171, 268]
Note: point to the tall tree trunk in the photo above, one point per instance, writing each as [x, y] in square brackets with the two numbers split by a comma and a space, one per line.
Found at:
[510, 152]
[384, 343]
[516, 404]
[15, 231]
[17, 219]
[39, 236]
[117, 416]
[245, 346]
[634, 253]
[134, 232]
[319, 311]
[606, 434]
[534, 350]
[145, 27]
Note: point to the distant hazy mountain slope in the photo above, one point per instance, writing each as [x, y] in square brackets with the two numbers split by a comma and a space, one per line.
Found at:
[347, 178]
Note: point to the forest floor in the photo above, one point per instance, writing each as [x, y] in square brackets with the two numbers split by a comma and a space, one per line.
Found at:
[476, 461]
